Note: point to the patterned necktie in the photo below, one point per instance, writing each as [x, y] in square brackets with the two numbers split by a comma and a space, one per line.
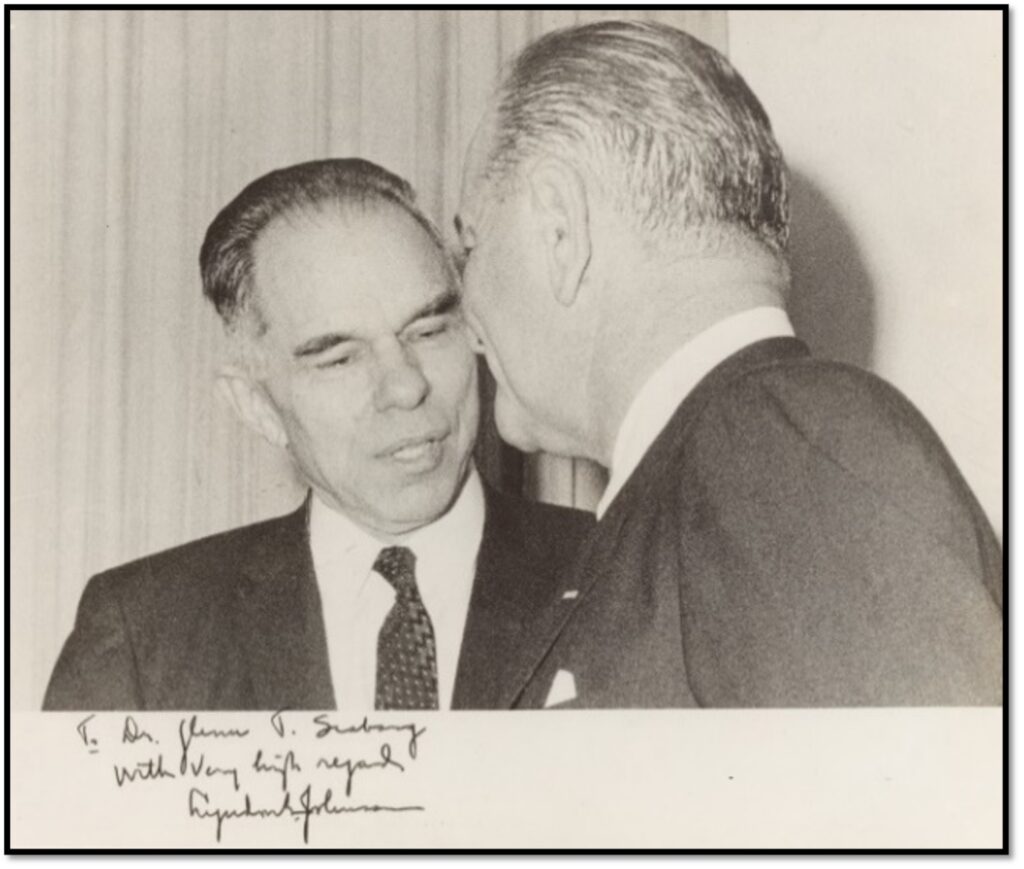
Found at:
[406, 654]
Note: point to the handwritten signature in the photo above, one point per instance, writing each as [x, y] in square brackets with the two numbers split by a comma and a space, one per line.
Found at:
[198, 802]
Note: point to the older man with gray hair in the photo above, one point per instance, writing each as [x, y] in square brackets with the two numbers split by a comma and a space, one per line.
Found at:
[778, 530]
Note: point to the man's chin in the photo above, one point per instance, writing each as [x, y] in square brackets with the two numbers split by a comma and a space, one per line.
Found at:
[421, 504]
[517, 436]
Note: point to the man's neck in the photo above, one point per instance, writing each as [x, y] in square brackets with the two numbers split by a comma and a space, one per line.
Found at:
[653, 314]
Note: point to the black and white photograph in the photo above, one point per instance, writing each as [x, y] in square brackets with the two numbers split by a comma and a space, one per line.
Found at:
[506, 428]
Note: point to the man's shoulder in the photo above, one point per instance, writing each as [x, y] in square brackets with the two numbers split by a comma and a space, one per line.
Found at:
[545, 526]
[837, 410]
[549, 518]
[798, 434]
[197, 566]
[812, 386]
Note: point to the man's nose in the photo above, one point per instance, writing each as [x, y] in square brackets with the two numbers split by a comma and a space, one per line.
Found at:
[400, 382]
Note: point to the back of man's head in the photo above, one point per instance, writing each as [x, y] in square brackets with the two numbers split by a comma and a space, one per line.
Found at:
[338, 187]
[656, 119]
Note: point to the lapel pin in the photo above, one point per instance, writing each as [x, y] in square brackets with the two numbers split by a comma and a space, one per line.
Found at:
[570, 595]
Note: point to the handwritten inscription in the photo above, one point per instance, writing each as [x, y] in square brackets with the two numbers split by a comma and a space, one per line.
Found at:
[289, 766]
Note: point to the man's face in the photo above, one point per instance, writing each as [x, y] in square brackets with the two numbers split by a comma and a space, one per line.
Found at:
[368, 369]
[505, 304]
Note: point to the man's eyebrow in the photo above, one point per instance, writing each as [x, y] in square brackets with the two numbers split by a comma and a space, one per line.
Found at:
[320, 343]
[445, 303]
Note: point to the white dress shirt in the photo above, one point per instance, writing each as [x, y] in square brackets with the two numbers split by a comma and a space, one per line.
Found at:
[660, 397]
[356, 599]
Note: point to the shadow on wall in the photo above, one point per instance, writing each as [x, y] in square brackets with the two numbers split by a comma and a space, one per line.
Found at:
[832, 304]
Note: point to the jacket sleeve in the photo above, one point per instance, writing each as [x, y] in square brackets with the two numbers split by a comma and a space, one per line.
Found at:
[96, 669]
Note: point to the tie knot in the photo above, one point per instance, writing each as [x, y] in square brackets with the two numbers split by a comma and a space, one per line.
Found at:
[397, 564]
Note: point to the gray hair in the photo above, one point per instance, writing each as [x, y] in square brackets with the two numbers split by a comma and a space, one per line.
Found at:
[226, 257]
[659, 120]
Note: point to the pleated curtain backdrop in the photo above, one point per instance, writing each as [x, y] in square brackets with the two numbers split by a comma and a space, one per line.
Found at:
[129, 130]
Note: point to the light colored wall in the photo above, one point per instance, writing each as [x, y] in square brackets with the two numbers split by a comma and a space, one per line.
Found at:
[891, 125]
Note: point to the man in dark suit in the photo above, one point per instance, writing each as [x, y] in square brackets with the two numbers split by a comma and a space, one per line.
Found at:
[777, 530]
[402, 582]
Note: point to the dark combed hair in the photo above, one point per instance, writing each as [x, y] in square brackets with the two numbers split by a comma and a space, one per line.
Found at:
[226, 257]
[661, 120]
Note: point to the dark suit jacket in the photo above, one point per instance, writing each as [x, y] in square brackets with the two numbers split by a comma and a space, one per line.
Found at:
[234, 621]
[796, 536]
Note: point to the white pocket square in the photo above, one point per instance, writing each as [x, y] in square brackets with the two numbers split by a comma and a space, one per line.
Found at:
[563, 689]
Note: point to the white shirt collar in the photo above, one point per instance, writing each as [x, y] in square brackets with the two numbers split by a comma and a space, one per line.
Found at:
[660, 397]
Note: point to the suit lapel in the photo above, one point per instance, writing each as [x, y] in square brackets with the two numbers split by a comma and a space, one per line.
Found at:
[513, 587]
[281, 620]
[538, 637]
[596, 560]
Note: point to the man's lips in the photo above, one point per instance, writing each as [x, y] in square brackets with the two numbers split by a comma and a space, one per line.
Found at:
[414, 449]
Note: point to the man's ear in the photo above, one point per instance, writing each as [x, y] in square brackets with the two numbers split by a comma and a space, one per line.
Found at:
[251, 404]
[561, 212]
